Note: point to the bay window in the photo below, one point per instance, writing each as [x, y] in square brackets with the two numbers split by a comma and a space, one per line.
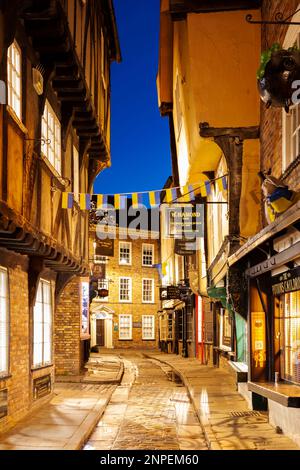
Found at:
[51, 133]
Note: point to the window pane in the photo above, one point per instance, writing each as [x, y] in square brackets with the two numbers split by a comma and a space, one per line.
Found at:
[51, 130]
[14, 78]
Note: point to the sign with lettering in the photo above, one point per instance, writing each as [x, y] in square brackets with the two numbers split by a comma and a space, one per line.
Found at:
[169, 293]
[184, 222]
[288, 281]
[3, 403]
[184, 247]
[105, 247]
[137, 324]
[41, 387]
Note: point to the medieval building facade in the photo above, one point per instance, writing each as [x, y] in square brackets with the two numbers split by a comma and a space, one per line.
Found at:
[54, 137]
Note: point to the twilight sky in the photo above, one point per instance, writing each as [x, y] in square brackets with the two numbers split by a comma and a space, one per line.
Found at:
[140, 146]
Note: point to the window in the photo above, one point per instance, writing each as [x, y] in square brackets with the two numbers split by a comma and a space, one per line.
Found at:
[125, 327]
[125, 289]
[51, 132]
[4, 321]
[148, 291]
[148, 255]
[290, 337]
[125, 253]
[291, 129]
[14, 79]
[148, 327]
[42, 325]
[76, 188]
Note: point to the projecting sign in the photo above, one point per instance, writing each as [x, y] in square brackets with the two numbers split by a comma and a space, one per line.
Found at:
[105, 247]
[184, 222]
[286, 282]
[169, 293]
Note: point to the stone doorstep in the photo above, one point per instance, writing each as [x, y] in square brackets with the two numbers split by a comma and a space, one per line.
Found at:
[93, 379]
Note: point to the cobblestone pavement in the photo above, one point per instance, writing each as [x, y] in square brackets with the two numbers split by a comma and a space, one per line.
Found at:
[148, 411]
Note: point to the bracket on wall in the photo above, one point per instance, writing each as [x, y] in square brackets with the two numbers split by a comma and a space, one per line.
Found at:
[278, 19]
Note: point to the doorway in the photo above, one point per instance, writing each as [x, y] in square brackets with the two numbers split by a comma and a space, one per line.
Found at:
[100, 338]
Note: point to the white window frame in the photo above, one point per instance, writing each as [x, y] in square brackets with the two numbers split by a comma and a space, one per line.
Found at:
[289, 131]
[14, 79]
[143, 291]
[4, 322]
[129, 337]
[144, 246]
[123, 244]
[51, 132]
[129, 289]
[76, 176]
[36, 363]
[152, 336]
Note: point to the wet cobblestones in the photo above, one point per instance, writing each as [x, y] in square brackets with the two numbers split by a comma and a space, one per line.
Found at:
[154, 414]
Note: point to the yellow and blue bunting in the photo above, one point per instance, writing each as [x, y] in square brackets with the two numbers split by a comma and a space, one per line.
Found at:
[155, 198]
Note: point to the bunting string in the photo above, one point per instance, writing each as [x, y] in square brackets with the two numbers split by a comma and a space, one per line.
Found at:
[154, 198]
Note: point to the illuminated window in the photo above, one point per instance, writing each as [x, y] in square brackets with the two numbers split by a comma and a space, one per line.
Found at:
[148, 291]
[225, 329]
[148, 254]
[14, 78]
[42, 325]
[148, 327]
[125, 327]
[4, 322]
[51, 132]
[290, 337]
[125, 253]
[125, 289]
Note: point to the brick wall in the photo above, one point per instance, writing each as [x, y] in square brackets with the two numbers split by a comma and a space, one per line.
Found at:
[67, 325]
[18, 382]
[271, 119]
[136, 308]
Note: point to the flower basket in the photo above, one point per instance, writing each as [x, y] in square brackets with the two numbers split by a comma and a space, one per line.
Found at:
[276, 77]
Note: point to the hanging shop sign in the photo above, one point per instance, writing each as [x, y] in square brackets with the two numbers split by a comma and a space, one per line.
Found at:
[105, 247]
[103, 293]
[277, 76]
[184, 247]
[288, 281]
[184, 222]
[170, 293]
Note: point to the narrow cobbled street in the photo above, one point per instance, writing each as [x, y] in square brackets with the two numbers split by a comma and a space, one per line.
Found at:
[149, 410]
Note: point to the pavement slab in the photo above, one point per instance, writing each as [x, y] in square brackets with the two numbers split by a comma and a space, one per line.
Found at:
[226, 420]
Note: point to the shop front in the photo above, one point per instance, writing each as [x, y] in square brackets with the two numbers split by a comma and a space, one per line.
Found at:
[272, 272]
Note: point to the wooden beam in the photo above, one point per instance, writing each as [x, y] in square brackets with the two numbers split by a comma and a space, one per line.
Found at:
[243, 133]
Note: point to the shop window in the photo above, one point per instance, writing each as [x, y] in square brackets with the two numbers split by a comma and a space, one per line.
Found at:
[51, 132]
[125, 292]
[42, 326]
[225, 329]
[125, 253]
[170, 326]
[148, 291]
[14, 79]
[290, 337]
[4, 322]
[125, 327]
[148, 327]
[148, 255]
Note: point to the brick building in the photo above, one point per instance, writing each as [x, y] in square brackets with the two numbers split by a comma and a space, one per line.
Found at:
[127, 316]
[54, 137]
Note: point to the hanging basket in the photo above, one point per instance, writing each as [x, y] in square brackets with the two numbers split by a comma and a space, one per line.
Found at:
[280, 68]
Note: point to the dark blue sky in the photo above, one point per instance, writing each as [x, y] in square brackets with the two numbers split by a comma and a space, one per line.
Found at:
[140, 136]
